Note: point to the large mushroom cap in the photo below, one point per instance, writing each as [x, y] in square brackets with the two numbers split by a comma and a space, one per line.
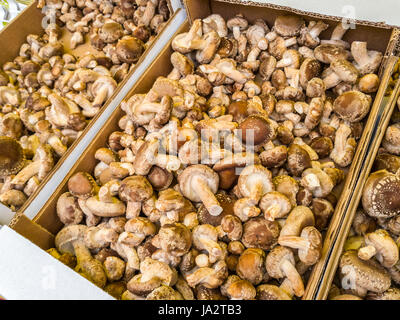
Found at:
[345, 70]
[67, 236]
[352, 106]
[129, 49]
[368, 275]
[11, 156]
[260, 233]
[309, 69]
[288, 25]
[381, 195]
[187, 179]
[82, 185]
[256, 129]
[328, 53]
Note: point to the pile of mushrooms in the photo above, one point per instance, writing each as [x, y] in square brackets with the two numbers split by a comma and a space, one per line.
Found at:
[48, 96]
[223, 176]
[370, 266]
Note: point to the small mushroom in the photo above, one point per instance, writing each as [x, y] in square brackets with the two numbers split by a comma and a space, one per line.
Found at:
[251, 266]
[260, 233]
[200, 183]
[352, 106]
[365, 61]
[255, 181]
[280, 263]
[275, 205]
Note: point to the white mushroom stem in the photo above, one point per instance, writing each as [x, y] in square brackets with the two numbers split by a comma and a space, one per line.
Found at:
[367, 252]
[290, 42]
[109, 190]
[312, 181]
[256, 191]
[339, 31]
[207, 197]
[291, 273]
[26, 173]
[316, 30]
[168, 162]
[272, 212]
[294, 242]
[57, 145]
[213, 248]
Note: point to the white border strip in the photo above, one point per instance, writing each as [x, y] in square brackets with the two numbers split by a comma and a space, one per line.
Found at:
[39, 201]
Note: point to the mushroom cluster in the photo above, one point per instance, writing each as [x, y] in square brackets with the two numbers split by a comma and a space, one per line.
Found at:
[223, 175]
[47, 96]
[370, 265]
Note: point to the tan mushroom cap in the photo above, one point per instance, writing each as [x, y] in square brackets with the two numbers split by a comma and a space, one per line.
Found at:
[260, 233]
[175, 239]
[387, 161]
[142, 288]
[250, 265]
[129, 49]
[298, 160]
[380, 197]
[12, 156]
[68, 209]
[182, 63]
[352, 106]
[164, 293]
[67, 236]
[288, 25]
[135, 189]
[271, 292]
[369, 83]
[368, 275]
[327, 53]
[241, 290]
[82, 185]
[115, 208]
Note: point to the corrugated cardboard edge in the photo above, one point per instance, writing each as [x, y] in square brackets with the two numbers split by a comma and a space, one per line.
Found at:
[121, 85]
[32, 231]
[307, 13]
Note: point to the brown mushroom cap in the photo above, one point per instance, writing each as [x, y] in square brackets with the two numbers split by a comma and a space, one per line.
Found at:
[346, 297]
[182, 63]
[82, 185]
[327, 53]
[175, 239]
[387, 161]
[68, 209]
[226, 201]
[352, 106]
[111, 31]
[260, 233]
[390, 294]
[129, 49]
[241, 289]
[380, 197]
[136, 189]
[142, 288]
[368, 275]
[298, 160]
[369, 83]
[238, 109]
[160, 178]
[12, 156]
[250, 265]
[310, 68]
[258, 128]
[288, 25]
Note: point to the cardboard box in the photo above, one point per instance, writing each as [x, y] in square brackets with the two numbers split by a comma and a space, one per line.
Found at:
[389, 103]
[379, 36]
[30, 22]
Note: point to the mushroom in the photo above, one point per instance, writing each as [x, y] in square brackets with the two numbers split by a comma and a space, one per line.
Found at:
[200, 183]
[380, 244]
[260, 233]
[327, 53]
[251, 266]
[70, 240]
[255, 181]
[271, 292]
[337, 35]
[380, 195]
[129, 49]
[135, 190]
[217, 23]
[340, 70]
[12, 158]
[352, 106]
[280, 263]
[299, 218]
[237, 24]
[209, 277]
[241, 290]
[309, 245]
[309, 36]
[363, 276]
[275, 205]
[288, 25]
[365, 61]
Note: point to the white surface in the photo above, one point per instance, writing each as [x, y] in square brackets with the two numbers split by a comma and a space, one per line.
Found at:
[371, 10]
[35, 275]
[49, 188]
